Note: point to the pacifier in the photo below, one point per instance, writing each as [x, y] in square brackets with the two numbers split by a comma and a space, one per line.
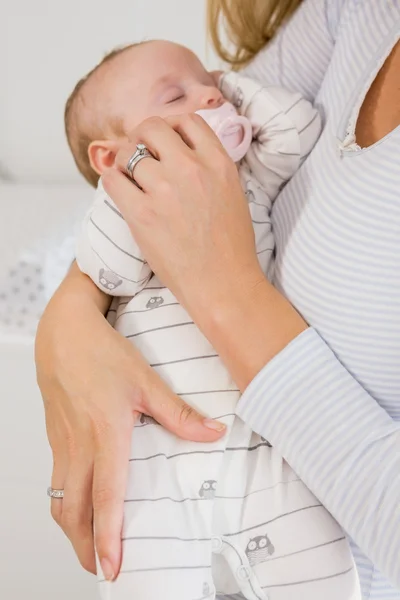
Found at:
[234, 131]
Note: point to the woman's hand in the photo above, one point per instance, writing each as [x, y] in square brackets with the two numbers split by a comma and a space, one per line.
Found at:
[190, 217]
[192, 222]
[94, 383]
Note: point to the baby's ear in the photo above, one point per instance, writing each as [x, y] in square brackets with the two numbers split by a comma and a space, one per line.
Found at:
[102, 154]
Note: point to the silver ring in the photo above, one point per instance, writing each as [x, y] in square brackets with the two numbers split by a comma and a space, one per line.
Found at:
[52, 493]
[141, 152]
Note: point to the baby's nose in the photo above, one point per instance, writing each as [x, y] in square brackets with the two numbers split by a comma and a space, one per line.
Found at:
[211, 97]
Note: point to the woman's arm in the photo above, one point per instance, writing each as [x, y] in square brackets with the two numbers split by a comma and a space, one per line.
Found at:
[94, 382]
[78, 286]
[299, 55]
[342, 444]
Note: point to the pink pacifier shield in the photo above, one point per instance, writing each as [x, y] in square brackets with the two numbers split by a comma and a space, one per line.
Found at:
[234, 131]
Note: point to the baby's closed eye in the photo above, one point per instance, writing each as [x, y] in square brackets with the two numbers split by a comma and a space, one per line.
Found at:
[173, 95]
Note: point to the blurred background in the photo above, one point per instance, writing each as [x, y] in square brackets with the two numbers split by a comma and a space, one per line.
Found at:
[45, 47]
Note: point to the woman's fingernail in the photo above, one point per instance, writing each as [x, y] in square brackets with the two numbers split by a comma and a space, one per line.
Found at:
[214, 425]
[107, 569]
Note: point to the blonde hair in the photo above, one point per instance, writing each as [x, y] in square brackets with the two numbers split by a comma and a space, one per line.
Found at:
[79, 134]
[247, 24]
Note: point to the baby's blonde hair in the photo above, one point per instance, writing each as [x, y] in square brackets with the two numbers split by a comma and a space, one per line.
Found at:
[248, 25]
[80, 134]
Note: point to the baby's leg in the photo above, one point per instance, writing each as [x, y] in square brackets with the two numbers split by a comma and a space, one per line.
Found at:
[168, 516]
[172, 483]
[277, 541]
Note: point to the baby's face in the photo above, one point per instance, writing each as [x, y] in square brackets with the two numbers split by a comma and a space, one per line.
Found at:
[158, 79]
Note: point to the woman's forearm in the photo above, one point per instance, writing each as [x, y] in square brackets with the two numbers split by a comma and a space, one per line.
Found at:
[338, 439]
[248, 326]
[314, 412]
[79, 287]
[77, 307]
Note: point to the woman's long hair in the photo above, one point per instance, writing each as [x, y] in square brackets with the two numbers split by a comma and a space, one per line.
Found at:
[246, 25]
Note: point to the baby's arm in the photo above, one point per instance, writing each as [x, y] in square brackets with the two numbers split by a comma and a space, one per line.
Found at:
[107, 252]
[285, 128]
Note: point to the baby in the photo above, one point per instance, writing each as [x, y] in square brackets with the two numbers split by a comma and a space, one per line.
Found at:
[202, 521]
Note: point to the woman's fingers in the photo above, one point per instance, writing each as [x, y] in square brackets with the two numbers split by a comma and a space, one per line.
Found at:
[73, 473]
[196, 133]
[57, 483]
[77, 515]
[158, 136]
[161, 140]
[131, 201]
[170, 138]
[145, 172]
[109, 488]
[58, 442]
[171, 141]
[178, 417]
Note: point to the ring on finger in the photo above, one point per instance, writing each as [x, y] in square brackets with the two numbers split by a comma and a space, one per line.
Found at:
[56, 494]
[140, 153]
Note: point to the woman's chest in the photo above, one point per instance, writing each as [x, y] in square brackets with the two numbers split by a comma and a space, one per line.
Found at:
[337, 223]
[380, 111]
[337, 231]
[360, 94]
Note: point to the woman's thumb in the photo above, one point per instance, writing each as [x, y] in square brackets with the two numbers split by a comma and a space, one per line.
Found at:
[183, 420]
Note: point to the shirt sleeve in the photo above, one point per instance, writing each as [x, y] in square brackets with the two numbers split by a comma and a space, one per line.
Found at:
[340, 441]
[299, 55]
[285, 128]
[107, 252]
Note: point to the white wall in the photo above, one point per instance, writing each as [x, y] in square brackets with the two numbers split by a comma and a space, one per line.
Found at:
[47, 45]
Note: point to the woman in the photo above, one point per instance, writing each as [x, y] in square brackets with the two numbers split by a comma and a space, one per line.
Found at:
[322, 379]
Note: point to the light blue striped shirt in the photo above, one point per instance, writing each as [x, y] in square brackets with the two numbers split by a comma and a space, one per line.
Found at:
[330, 401]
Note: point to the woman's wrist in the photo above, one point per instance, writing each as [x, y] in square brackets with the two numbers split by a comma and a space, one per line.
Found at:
[248, 325]
[77, 302]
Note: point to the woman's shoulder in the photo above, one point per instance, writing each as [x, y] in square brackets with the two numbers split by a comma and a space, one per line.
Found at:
[298, 56]
[343, 12]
